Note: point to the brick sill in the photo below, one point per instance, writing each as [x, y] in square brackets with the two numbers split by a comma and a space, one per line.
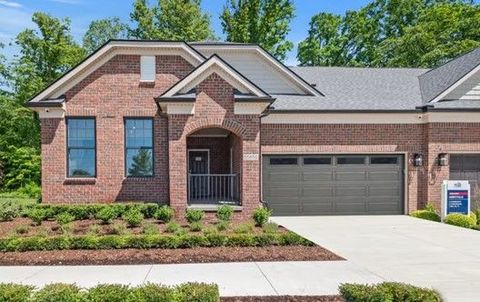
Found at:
[80, 181]
[212, 207]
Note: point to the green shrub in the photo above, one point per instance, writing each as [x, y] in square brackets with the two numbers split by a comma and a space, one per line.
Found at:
[197, 292]
[106, 215]
[22, 229]
[426, 214]
[164, 213]
[119, 229]
[261, 216]
[477, 213]
[387, 291]
[64, 218]
[172, 227]
[194, 215]
[270, 227]
[430, 207]
[151, 293]
[244, 228]
[10, 292]
[58, 292]
[222, 225]
[224, 213]
[107, 293]
[196, 226]
[150, 229]
[464, 221]
[133, 217]
[94, 229]
[148, 209]
[37, 215]
[8, 213]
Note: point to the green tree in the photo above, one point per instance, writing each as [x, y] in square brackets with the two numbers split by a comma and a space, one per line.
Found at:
[100, 31]
[181, 20]
[45, 54]
[376, 34]
[265, 22]
[142, 164]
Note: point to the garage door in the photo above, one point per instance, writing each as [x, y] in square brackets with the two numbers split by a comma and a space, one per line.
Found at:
[333, 184]
[467, 167]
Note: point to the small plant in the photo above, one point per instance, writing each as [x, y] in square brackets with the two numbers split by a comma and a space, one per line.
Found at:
[133, 217]
[224, 213]
[8, 213]
[198, 292]
[196, 226]
[164, 213]
[37, 215]
[58, 292]
[222, 225]
[94, 229]
[270, 227]
[193, 215]
[150, 229]
[430, 207]
[388, 291]
[106, 215]
[107, 293]
[464, 221]
[261, 216]
[172, 227]
[244, 228]
[119, 229]
[22, 229]
[64, 218]
[427, 215]
[10, 292]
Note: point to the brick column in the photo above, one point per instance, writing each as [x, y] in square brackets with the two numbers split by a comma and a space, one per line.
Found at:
[177, 155]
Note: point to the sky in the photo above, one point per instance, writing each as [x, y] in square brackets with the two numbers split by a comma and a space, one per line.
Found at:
[15, 15]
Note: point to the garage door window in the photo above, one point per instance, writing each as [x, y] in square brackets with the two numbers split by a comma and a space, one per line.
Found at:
[283, 161]
[351, 160]
[317, 161]
[382, 160]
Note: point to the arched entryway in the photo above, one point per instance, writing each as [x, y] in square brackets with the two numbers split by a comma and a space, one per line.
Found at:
[214, 165]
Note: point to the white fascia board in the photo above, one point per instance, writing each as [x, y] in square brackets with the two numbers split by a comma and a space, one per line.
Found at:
[455, 85]
[178, 108]
[255, 108]
[214, 65]
[110, 50]
[50, 112]
[282, 68]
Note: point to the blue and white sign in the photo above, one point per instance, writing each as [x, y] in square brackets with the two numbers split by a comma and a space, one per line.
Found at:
[455, 197]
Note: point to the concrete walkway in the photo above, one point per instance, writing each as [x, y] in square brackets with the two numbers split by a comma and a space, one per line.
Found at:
[234, 279]
[401, 248]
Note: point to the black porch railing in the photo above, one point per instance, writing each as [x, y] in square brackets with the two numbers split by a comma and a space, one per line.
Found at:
[213, 189]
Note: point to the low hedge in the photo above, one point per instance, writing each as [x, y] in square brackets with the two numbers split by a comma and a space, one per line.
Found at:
[188, 292]
[94, 242]
[426, 214]
[388, 291]
[464, 221]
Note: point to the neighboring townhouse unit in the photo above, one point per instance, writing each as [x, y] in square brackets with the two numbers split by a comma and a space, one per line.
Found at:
[202, 124]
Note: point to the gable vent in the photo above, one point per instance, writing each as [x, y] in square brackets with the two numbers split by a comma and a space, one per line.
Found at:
[147, 68]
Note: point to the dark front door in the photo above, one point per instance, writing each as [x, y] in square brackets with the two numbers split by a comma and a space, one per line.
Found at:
[198, 170]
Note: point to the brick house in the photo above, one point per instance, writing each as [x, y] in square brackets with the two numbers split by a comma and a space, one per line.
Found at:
[202, 124]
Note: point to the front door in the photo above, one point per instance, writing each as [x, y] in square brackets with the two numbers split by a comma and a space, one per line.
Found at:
[198, 170]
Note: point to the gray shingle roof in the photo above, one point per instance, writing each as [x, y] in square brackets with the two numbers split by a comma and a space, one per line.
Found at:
[441, 78]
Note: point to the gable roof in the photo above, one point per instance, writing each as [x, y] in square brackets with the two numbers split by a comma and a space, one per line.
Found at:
[436, 82]
[217, 65]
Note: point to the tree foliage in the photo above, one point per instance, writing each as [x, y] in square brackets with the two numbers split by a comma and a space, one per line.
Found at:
[100, 31]
[142, 164]
[397, 33]
[265, 22]
[181, 20]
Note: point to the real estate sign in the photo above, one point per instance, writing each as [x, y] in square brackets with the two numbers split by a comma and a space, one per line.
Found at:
[455, 197]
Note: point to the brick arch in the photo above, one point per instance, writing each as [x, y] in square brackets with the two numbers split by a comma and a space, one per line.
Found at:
[227, 124]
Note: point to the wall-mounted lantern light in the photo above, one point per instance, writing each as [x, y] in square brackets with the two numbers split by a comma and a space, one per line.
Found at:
[442, 159]
[417, 160]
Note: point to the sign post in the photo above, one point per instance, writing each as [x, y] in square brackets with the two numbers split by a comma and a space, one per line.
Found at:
[455, 197]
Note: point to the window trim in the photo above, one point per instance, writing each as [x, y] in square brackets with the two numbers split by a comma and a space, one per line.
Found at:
[67, 119]
[125, 145]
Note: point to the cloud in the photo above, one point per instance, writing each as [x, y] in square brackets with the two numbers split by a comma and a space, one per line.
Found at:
[8, 3]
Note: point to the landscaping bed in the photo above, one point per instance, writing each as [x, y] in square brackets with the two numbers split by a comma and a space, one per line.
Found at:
[144, 234]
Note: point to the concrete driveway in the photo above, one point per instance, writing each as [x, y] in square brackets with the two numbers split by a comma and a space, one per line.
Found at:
[401, 248]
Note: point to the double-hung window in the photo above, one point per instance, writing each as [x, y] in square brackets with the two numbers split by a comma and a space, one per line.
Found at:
[139, 147]
[81, 147]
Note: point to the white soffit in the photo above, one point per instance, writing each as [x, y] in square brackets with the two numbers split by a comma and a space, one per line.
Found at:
[107, 52]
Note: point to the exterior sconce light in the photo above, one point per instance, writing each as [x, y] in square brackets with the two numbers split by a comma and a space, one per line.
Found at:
[417, 160]
[442, 159]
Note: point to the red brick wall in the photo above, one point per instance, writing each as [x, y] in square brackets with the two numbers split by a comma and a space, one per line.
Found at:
[109, 94]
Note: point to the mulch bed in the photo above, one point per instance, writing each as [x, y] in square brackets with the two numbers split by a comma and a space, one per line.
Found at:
[165, 256]
[284, 299]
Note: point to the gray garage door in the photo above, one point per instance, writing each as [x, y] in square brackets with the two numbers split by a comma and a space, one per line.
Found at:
[467, 167]
[333, 184]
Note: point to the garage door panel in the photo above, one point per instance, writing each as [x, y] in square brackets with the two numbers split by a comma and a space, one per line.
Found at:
[350, 175]
[317, 176]
[282, 176]
[283, 192]
[384, 175]
[318, 208]
[316, 191]
[385, 190]
[349, 190]
[345, 208]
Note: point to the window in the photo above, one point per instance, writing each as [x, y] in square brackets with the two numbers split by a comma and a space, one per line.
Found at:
[147, 68]
[317, 161]
[81, 147]
[351, 160]
[139, 147]
[283, 161]
[379, 160]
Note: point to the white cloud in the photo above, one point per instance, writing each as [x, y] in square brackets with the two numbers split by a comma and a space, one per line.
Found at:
[8, 3]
